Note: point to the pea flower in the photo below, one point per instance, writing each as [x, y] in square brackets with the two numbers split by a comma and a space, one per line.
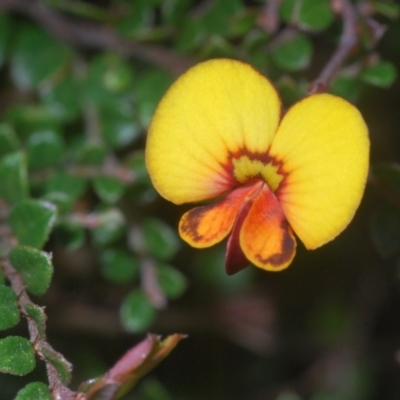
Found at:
[218, 135]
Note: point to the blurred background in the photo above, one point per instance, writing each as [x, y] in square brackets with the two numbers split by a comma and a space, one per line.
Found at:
[79, 83]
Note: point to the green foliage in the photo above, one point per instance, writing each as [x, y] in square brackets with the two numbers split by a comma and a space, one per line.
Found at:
[36, 56]
[34, 390]
[308, 14]
[119, 266]
[16, 355]
[381, 74]
[32, 221]
[159, 239]
[34, 266]
[9, 313]
[293, 53]
[14, 187]
[137, 313]
[171, 281]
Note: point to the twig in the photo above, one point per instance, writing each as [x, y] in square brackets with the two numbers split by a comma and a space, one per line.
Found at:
[347, 43]
[268, 18]
[37, 337]
[95, 36]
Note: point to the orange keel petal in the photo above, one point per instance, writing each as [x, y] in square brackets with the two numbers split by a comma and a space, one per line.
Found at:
[205, 226]
[266, 237]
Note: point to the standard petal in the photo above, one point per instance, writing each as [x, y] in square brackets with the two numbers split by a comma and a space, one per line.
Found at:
[324, 147]
[265, 236]
[205, 226]
[217, 109]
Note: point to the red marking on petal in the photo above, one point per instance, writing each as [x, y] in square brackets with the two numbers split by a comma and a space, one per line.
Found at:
[235, 259]
[266, 237]
[205, 226]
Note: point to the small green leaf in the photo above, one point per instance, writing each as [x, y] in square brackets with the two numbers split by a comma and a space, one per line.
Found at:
[28, 118]
[149, 89]
[9, 312]
[13, 177]
[8, 139]
[118, 130]
[137, 313]
[308, 14]
[62, 366]
[381, 74]
[111, 227]
[160, 240]
[347, 87]
[34, 266]
[91, 153]
[70, 235]
[32, 221]
[36, 56]
[293, 53]
[34, 391]
[119, 266]
[171, 281]
[63, 101]
[44, 149]
[73, 186]
[385, 230]
[109, 189]
[17, 356]
[37, 314]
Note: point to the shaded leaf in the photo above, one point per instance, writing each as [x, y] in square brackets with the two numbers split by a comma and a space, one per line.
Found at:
[63, 100]
[45, 149]
[111, 227]
[172, 282]
[32, 221]
[119, 266]
[70, 235]
[160, 239]
[308, 14]
[381, 74]
[91, 153]
[34, 266]
[347, 87]
[293, 53]
[17, 356]
[13, 177]
[9, 312]
[109, 189]
[149, 90]
[137, 312]
[34, 391]
[27, 69]
[8, 139]
[73, 186]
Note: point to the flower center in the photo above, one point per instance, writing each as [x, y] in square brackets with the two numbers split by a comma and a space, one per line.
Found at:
[245, 169]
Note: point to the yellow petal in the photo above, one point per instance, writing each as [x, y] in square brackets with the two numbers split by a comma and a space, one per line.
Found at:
[216, 109]
[205, 226]
[324, 146]
[265, 236]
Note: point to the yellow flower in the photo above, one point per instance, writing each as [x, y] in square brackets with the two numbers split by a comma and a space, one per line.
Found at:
[218, 134]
